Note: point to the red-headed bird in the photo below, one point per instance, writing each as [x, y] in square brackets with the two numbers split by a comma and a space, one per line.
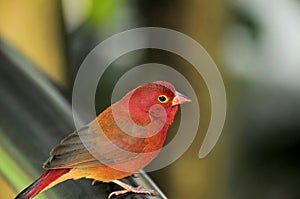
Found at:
[120, 141]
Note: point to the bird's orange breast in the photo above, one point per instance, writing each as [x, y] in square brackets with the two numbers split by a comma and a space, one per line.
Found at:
[108, 173]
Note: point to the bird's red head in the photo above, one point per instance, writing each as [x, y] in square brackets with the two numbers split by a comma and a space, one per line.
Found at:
[156, 100]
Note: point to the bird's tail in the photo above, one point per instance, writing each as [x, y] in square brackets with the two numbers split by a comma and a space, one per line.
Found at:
[50, 178]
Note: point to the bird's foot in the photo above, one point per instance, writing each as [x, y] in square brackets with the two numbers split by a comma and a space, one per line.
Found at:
[128, 189]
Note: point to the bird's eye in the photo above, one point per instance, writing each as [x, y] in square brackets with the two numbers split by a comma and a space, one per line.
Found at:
[163, 99]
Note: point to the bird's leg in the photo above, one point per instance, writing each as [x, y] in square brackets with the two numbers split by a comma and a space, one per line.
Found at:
[135, 175]
[128, 188]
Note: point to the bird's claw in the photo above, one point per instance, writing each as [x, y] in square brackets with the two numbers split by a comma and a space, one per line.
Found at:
[128, 188]
[137, 190]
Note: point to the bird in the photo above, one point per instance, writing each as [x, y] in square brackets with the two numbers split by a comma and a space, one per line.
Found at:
[120, 141]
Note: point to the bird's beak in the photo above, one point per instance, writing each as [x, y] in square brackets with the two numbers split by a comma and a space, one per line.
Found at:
[180, 99]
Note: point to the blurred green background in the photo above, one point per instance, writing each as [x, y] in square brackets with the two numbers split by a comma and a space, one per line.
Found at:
[255, 44]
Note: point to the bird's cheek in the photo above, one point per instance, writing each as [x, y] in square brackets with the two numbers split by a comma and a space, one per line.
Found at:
[158, 111]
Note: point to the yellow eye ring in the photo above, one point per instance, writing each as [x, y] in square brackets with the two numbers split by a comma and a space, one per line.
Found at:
[163, 99]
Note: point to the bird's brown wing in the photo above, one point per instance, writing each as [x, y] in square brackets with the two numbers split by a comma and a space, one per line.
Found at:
[91, 147]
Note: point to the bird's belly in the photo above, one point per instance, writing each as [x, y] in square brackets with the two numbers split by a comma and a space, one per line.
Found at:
[108, 173]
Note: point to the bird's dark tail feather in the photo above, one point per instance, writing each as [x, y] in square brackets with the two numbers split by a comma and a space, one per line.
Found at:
[41, 183]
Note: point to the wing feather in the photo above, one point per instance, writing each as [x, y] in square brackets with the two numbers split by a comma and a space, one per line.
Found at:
[90, 146]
